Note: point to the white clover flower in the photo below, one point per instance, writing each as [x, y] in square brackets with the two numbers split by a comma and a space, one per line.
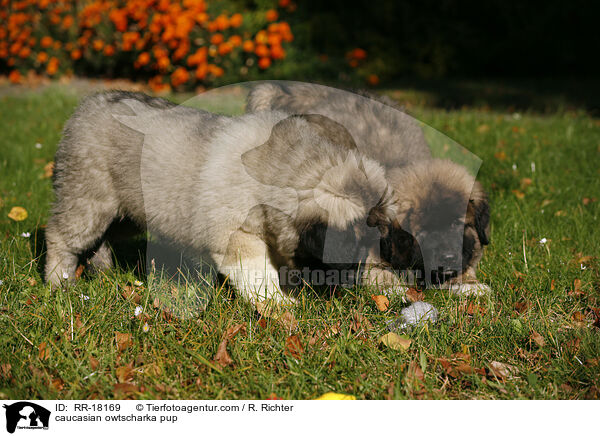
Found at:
[514, 167]
[38, 145]
[138, 283]
[533, 167]
[138, 310]
[543, 241]
[65, 275]
[26, 234]
[84, 297]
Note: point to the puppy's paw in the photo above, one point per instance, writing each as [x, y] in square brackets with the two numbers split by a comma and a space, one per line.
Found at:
[395, 291]
[469, 288]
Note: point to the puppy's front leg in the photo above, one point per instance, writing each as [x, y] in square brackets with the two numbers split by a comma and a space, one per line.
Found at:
[248, 266]
[375, 274]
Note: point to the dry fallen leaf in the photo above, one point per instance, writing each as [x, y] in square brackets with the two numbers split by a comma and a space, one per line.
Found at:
[270, 310]
[94, 363]
[222, 357]
[129, 294]
[48, 170]
[483, 128]
[526, 182]
[79, 271]
[360, 323]
[124, 340]
[522, 306]
[413, 295]
[125, 373]
[538, 339]
[58, 384]
[124, 389]
[579, 319]
[395, 341]
[519, 194]
[17, 214]
[381, 301]
[293, 346]
[32, 281]
[502, 371]
[44, 353]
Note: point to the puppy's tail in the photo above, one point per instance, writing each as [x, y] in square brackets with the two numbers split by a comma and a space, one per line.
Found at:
[263, 97]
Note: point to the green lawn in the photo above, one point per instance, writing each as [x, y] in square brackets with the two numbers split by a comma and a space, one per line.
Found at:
[537, 325]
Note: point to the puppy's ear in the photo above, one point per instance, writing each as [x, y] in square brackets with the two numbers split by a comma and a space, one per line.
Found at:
[331, 130]
[481, 211]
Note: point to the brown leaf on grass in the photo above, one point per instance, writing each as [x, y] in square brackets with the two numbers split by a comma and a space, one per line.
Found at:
[58, 384]
[124, 373]
[94, 363]
[415, 372]
[522, 306]
[381, 301]
[268, 309]
[129, 294]
[560, 213]
[553, 285]
[262, 323]
[79, 271]
[472, 309]
[519, 194]
[525, 183]
[360, 323]
[320, 336]
[395, 341]
[43, 351]
[413, 295]
[5, 372]
[48, 170]
[576, 291]
[222, 357]
[17, 213]
[293, 346]
[502, 371]
[587, 200]
[124, 389]
[31, 281]
[596, 312]
[500, 155]
[579, 319]
[156, 303]
[538, 339]
[124, 340]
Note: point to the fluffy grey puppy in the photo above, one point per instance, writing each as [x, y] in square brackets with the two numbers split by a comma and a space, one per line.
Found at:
[250, 195]
[442, 223]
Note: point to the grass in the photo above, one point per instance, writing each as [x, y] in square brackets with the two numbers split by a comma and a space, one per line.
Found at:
[58, 344]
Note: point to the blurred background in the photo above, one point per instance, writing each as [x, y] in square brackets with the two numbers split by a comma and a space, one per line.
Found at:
[512, 54]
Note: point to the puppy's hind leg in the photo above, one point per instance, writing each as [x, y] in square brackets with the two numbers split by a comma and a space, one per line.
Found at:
[248, 266]
[76, 225]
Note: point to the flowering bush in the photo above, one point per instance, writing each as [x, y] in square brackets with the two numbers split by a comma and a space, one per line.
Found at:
[178, 43]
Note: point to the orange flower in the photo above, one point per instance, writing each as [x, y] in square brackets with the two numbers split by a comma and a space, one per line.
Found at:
[373, 79]
[109, 50]
[236, 20]
[261, 51]
[157, 85]
[358, 53]
[215, 70]
[14, 76]
[76, 54]
[248, 46]
[163, 63]
[272, 15]
[42, 57]
[264, 63]
[216, 39]
[24, 52]
[197, 58]
[67, 22]
[225, 48]
[201, 71]
[180, 76]
[235, 40]
[274, 39]
[261, 37]
[97, 44]
[277, 52]
[52, 66]
[46, 41]
[284, 3]
[221, 22]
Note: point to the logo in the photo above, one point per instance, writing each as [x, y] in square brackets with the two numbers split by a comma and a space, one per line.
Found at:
[26, 415]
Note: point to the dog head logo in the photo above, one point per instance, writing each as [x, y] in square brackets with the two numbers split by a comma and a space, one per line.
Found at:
[26, 415]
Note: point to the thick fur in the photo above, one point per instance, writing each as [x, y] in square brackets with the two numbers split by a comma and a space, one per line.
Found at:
[443, 213]
[244, 194]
